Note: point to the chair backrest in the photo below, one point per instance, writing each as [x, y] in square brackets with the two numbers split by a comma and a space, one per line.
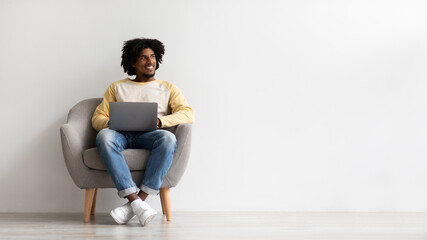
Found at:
[80, 117]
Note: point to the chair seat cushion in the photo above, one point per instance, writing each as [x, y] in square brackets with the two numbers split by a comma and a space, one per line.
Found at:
[136, 159]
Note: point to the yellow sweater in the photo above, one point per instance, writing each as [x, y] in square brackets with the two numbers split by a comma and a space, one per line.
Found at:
[173, 109]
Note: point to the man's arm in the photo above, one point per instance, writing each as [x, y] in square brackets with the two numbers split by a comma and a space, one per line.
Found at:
[181, 111]
[101, 116]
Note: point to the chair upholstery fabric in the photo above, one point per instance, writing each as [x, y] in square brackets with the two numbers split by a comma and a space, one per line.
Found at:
[135, 159]
[85, 165]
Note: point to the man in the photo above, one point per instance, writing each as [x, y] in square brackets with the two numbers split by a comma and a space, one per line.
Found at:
[140, 57]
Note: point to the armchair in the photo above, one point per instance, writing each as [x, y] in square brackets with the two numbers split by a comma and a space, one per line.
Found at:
[87, 169]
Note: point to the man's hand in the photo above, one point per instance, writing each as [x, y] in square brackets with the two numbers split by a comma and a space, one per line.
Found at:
[159, 124]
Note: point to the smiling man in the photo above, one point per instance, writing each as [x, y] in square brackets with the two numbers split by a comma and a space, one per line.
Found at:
[140, 57]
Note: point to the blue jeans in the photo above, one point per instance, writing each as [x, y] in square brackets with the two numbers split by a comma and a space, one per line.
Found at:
[111, 143]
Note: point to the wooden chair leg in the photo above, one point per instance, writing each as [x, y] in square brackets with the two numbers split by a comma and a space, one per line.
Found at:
[166, 203]
[163, 203]
[88, 203]
[92, 211]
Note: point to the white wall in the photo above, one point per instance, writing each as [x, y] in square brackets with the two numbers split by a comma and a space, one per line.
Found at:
[300, 105]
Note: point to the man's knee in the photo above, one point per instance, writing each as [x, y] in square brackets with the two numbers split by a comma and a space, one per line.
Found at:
[104, 136]
[167, 138]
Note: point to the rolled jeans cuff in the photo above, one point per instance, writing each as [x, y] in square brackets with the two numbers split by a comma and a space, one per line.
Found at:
[125, 192]
[149, 190]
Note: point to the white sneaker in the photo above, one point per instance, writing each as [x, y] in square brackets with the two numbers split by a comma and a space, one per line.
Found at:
[122, 214]
[143, 211]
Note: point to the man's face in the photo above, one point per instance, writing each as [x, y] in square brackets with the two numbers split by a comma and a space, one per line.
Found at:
[145, 63]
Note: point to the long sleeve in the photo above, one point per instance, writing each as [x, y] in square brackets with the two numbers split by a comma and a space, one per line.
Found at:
[181, 112]
[173, 108]
[101, 116]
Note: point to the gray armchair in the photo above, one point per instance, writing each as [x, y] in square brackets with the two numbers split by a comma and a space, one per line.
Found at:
[87, 169]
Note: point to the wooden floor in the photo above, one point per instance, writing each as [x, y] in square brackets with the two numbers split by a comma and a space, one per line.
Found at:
[220, 225]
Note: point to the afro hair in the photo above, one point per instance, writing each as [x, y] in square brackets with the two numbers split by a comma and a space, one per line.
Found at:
[132, 48]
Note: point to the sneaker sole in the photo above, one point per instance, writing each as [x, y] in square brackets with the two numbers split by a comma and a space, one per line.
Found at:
[117, 219]
[149, 219]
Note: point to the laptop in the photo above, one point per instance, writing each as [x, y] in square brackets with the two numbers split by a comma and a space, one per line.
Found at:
[133, 116]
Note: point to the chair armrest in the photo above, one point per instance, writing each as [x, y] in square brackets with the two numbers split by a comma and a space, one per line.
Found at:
[181, 156]
[72, 148]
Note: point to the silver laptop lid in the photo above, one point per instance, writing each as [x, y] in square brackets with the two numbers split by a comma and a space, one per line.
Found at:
[133, 116]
